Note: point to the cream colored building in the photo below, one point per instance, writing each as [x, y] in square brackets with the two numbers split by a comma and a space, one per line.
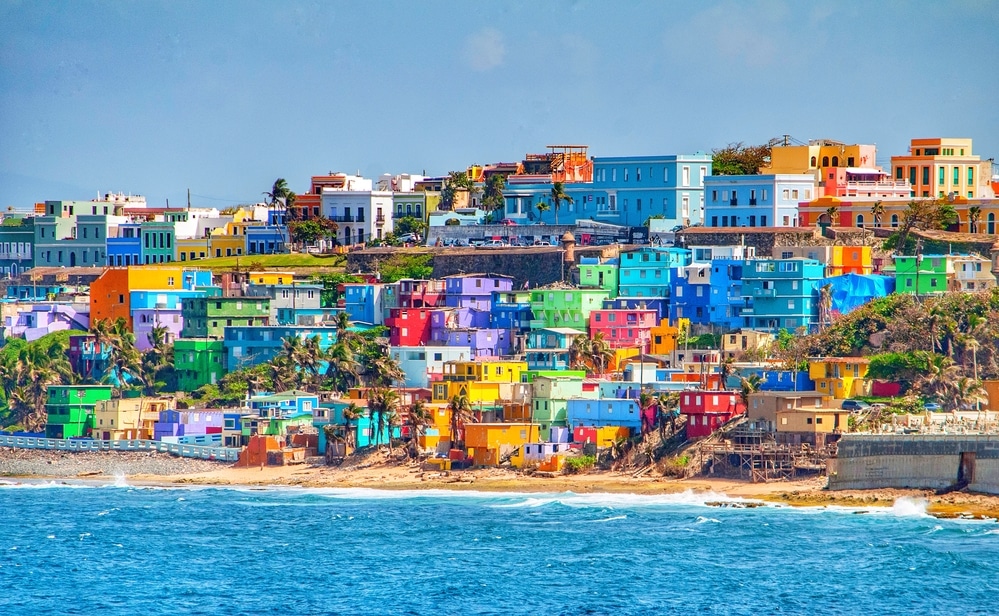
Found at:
[940, 166]
[128, 418]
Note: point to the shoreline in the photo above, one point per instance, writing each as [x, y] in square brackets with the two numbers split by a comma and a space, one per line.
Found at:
[801, 493]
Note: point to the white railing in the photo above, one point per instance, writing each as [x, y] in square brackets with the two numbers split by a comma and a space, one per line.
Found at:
[224, 454]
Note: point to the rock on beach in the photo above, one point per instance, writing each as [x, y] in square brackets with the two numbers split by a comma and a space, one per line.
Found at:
[16, 462]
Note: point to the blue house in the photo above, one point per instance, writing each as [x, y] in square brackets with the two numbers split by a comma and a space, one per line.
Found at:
[126, 249]
[726, 303]
[780, 293]
[756, 200]
[620, 412]
[511, 310]
[647, 272]
[626, 190]
[247, 346]
[690, 293]
[660, 304]
[284, 405]
[364, 302]
[266, 239]
[548, 349]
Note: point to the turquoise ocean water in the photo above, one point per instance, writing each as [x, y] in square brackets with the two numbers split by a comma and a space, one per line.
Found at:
[117, 549]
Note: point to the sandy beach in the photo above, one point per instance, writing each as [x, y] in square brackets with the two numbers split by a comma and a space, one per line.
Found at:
[378, 473]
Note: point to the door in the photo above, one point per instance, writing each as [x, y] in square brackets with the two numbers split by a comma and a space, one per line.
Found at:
[966, 472]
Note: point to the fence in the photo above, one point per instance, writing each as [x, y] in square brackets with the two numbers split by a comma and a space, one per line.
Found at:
[224, 454]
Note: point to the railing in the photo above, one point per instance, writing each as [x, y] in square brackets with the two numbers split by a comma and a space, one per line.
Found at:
[380, 218]
[223, 454]
[344, 218]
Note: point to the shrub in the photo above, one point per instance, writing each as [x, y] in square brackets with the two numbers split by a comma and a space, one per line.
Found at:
[579, 464]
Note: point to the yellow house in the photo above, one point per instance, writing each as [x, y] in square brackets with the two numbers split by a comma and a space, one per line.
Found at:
[812, 420]
[489, 443]
[817, 155]
[840, 377]
[192, 248]
[487, 370]
[128, 418]
[271, 278]
[746, 341]
[224, 245]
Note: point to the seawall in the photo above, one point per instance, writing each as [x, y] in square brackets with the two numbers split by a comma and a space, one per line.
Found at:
[868, 461]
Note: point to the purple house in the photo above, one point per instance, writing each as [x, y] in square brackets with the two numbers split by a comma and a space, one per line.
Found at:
[483, 342]
[152, 309]
[474, 290]
[35, 320]
[187, 423]
[444, 319]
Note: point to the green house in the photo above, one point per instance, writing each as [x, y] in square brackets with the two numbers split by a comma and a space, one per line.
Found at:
[599, 276]
[565, 307]
[198, 361]
[551, 397]
[207, 317]
[70, 409]
[923, 274]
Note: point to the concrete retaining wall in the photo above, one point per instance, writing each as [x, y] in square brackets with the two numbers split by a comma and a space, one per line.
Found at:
[866, 461]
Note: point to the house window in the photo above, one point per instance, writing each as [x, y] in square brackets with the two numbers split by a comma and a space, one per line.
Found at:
[686, 175]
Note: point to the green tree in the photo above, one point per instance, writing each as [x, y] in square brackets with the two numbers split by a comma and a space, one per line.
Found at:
[419, 416]
[741, 159]
[542, 207]
[558, 196]
[305, 232]
[383, 407]
[411, 224]
[974, 215]
[492, 195]
[878, 212]
[461, 414]
[456, 181]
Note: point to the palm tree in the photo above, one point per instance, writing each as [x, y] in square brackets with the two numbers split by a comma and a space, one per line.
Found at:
[558, 196]
[383, 405]
[579, 352]
[963, 393]
[974, 215]
[600, 353]
[342, 369]
[419, 418]
[542, 208]
[280, 196]
[878, 212]
[668, 411]
[351, 413]
[748, 386]
[461, 414]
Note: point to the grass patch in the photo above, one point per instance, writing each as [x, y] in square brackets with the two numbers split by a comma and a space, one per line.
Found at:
[579, 464]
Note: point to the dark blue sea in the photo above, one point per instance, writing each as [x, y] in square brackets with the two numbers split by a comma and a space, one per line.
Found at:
[116, 549]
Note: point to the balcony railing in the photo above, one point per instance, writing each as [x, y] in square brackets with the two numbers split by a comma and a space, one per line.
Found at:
[344, 218]
[380, 219]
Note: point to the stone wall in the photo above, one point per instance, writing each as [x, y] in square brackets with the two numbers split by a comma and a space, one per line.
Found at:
[866, 461]
[535, 266]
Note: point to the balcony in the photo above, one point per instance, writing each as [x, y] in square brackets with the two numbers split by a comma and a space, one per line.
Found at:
[379, 219]
[765, 292]
[344, 218]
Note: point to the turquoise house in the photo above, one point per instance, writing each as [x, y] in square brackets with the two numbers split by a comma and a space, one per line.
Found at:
[781, 293]
[548, 349]
[647, 272]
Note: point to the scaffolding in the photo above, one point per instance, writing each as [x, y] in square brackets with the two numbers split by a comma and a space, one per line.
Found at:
[757, 456]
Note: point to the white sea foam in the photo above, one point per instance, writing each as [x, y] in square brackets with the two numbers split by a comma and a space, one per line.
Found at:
[907, 507]
[120, 481]
[612, 518]
[703, 520]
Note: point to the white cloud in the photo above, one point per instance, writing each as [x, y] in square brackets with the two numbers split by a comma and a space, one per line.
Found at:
[484, 50]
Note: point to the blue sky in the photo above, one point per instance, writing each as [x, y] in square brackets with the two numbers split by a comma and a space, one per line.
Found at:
[223, 97]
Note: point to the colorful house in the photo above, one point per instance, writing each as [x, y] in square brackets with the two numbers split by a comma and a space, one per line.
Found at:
[128, 418]
[248, 345]
[364, 302]
[548, 349]
[152, 309]
[780, 293]
[511, 311]
[111, 293]
[624, 328]
[207, 317]
[647, 272]
[70, 409]
[595, 273]
[424, 364]
[923, 274]
[173, 423]
[706, 411]
[941, 166]
[565, 307]
[17, 243]
[840, 377]
[664, 336]
[408, 326]
[971, 274]
[550, 402]
[475, 290]
[614, 412]
[756, 200]
[490, 444]
[198, 361]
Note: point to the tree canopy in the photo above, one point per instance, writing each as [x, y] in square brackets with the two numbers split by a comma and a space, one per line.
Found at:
[740, 159]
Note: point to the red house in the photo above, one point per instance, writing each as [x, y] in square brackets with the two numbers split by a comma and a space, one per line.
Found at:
[408, 326]
[706, 411]
[624, 328]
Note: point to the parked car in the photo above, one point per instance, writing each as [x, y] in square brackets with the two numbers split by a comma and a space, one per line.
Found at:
[408, 237]
[933, 407]
[855, 405]
[492, 244]
[507, 222]
[676, 228]
[540, 243]
[460, 242]
[516, 242]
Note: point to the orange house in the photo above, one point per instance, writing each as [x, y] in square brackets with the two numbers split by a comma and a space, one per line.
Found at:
[110, 294]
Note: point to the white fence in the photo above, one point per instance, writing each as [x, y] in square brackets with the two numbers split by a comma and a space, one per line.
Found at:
[224, 454]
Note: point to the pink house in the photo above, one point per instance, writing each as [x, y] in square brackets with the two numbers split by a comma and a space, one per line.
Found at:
[624, 328]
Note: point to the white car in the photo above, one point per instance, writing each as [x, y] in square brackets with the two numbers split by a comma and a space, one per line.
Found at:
[492, 244]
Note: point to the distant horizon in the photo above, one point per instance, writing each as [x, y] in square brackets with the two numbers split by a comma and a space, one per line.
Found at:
[222, 98]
